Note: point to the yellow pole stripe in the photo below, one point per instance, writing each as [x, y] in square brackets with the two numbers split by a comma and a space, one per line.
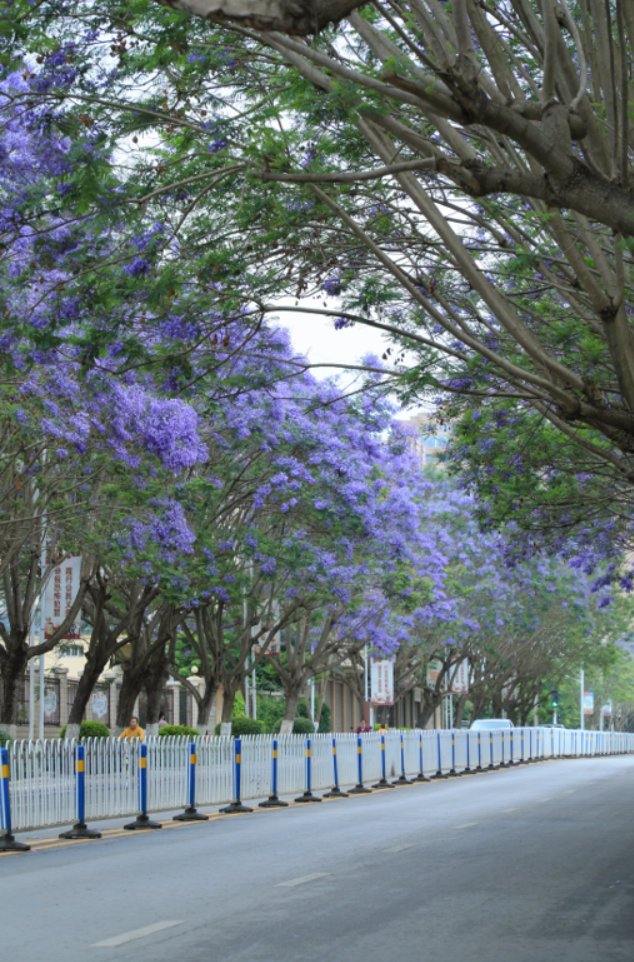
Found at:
[359, 749]
[80, 765]
[142, 762]
[334, 751]
[193, 758]
[5, 771]
[382, 747]
[237, 759]
[308, 753]
[275, 753]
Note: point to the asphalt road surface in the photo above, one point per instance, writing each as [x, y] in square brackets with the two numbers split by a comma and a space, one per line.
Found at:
[526, 865]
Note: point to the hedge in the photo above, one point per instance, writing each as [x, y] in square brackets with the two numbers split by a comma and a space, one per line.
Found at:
[177, 730]
[89, 729]
[244, 726]
[4, 739]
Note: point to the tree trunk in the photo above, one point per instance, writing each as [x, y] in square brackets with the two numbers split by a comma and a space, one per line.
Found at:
[227, 711]
[12, 671]
[290, 709]
[130, 690]
[206, 703]
[89, 678]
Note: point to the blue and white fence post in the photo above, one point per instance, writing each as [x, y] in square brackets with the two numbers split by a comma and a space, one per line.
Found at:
[142, 820]
[273, 801]
[383, 782]
[402, 780]
[80, 829]
[7, 839]
[491, 767]
[421, 777]
[191, 814]
[236, 807]
[360, 788]
[439, 771]
[452, 770]
[478, 767]
[308, 795]
[335, 791]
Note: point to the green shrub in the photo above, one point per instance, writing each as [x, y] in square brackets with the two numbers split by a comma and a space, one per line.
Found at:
[325, 719]
[301, 726]
[178, 730]
[90, 729]
[244, 726]
[4, 739]
[270, 711]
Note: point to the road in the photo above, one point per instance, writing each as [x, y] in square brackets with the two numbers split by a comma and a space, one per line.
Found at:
[526, 865]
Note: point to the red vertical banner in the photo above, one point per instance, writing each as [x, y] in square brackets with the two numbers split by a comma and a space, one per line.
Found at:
[60, 592]
[382, 677]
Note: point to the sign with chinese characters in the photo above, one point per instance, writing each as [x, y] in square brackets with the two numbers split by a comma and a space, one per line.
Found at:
[607, 708]
[588, 703]
[460, 677]
[382, 678]
[59, 594]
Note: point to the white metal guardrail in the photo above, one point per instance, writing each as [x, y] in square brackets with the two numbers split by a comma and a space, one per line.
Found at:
[43, 780]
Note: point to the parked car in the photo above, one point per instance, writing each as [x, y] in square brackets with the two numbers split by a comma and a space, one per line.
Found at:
[488, 724]
[550, 725]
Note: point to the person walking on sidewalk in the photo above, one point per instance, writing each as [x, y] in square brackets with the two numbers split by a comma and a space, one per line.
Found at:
[133, 730]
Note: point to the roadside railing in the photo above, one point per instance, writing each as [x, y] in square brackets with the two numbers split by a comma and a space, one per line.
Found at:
[43, 774]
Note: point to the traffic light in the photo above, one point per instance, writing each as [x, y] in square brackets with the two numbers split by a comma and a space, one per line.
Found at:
[554, 695]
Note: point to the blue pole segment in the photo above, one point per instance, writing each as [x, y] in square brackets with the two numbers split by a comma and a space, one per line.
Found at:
[7, 840]
[308, 765]
[360, 759]
[334, 761]
[402, 757]
[275, 766]
[192, 774]
[79, 783]
[238, 751]
[6, 799]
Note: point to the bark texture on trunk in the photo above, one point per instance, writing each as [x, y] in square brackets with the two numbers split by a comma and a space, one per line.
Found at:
[297, 17]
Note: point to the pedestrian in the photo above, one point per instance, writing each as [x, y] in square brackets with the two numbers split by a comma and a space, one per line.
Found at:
[133, 730]
[162, 723]
[363, 728]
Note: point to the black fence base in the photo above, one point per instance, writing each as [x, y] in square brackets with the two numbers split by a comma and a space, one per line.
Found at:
[80, 830]
[140, 822]
[9, 844]
[454, 773]
[384, 784]
[335, 793]
[191, 815]
[236, 808]
[401, 780]
[273, 802]
[360, 790]
[308, 797]
[422, 778]
[439, 774]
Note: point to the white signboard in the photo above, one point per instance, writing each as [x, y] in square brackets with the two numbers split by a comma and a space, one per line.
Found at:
[274, 648]
[99, 702]
[50, 702]
[460, 681]
[588, 703]
[60, 593]
[382, 681]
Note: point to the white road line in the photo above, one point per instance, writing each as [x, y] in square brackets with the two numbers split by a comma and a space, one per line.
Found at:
[135, 934]
[466, 825]
[400, 848]
[510, 809]
[300, 881]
